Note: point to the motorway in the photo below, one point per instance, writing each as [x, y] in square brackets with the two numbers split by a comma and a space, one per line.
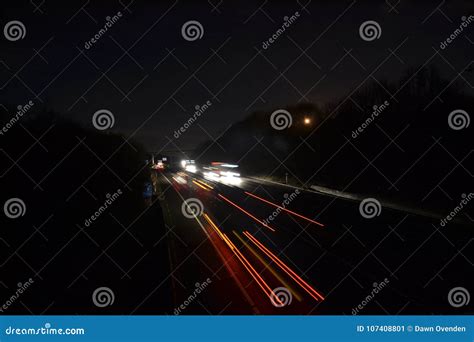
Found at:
[317, 255]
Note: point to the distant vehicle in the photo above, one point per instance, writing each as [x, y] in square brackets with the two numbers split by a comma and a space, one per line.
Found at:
[189, 165]
[159, 165]
[223, 173]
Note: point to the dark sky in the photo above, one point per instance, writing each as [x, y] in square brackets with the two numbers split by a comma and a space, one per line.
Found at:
[151, 78]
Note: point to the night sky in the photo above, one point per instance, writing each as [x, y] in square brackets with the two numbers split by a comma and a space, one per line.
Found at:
[377, 137]
[151, 78]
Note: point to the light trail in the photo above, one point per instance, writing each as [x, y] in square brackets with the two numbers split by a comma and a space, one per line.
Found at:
[315, 294]
[204, 183]
[247, 213]
[287, 210]
[179, 180]
[268, 266]
[263, 285]
[214, 226]
[201, 186]
[255, 275]
[224, 259]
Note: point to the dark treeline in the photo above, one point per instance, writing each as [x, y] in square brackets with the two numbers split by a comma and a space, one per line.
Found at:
[66, 173]
[395, 155]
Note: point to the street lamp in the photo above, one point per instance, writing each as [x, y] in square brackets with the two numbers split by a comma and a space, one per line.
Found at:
[307, 121]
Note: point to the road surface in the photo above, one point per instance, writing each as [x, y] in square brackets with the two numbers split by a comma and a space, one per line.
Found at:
[263, 248]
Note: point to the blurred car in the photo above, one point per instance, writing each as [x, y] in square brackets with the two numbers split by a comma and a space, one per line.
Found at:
[190, 166]
[159, 165]
[222, 172]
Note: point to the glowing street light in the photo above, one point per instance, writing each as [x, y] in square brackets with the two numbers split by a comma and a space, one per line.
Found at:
[307, 121]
